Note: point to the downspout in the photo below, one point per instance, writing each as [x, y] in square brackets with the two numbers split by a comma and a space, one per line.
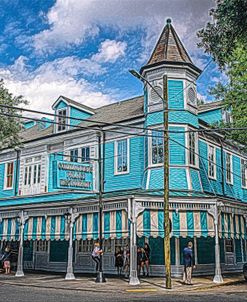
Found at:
[222, 168]
[17, 167]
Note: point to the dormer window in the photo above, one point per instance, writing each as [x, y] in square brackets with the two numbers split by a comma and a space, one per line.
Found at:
[62, 120]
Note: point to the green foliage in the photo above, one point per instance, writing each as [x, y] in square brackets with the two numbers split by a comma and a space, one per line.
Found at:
[234, 94]
[10, 126]
[228, 28]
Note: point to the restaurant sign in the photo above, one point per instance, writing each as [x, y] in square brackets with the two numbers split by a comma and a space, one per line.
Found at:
[70, 175]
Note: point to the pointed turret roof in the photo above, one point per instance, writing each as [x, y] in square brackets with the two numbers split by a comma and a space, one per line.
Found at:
[169, 48]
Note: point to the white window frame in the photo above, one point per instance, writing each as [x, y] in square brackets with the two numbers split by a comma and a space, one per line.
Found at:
[196, 165]
[214, 162]
[244, 162]
[116, 172]
[66, 119]
[231, 168]
[150, 154]
[5, 175]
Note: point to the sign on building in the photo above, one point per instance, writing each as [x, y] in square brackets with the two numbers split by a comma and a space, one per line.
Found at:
[69, 175]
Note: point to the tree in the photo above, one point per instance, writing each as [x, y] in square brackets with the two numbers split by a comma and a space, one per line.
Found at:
[220, 37]
[10, 122]
[226, 41]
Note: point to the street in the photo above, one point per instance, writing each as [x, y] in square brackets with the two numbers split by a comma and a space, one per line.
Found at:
[229, 293]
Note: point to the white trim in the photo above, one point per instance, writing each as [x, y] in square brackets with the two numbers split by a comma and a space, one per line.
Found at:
[148, 178]
[231, 171]
[116, 156]
[243, 187]
[188, 148]
[189, 179]
[5, 175]
[214, 162]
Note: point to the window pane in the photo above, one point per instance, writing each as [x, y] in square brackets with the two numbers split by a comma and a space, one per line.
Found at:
[122, 156]
[74, 155]
[9, 176]
[39, 173]
[85, 154]
[34, 174]
[157, 147]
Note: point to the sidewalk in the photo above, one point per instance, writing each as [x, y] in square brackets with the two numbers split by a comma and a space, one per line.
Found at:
[84, 283]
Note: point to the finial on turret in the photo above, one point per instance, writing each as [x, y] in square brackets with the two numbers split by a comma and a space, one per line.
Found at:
[169, 21]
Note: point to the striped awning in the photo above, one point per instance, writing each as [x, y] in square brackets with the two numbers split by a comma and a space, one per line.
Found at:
[189, 224]
[232, 226]
[115, 225]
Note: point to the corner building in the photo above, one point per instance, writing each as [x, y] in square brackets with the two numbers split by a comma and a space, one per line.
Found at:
[49, 188]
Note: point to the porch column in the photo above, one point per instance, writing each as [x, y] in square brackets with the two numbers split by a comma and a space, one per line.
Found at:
[195, 251]
[23, 217]
[213, 210]
[72, 216]
[134, 209]
[177, 251]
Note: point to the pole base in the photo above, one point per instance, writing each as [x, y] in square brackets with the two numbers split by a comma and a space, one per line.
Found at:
[70, 276]
[218, 279]
[134, 281]
[100, 278]
[19, 274]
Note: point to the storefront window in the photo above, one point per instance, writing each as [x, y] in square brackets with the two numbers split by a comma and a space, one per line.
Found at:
[41, 246]
[229, 246]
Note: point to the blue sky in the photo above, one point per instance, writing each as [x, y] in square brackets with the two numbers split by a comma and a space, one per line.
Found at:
[83, 49]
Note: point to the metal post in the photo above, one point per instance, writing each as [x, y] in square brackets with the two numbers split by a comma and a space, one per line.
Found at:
[215, 213]
[22, 220]
[133, 279]
[166, 187]
[72, 218]
[100, 276]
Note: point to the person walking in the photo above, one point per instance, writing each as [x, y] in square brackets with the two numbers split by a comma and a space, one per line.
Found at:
[96, 255]
[6, 260]
[188, 260]
[119, 260]
[147, 251]
[126, 261]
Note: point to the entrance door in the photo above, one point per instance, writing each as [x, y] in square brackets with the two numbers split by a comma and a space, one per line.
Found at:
[230, 256]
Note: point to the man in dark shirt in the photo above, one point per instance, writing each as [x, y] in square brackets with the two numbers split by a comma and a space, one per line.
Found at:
[188, 263]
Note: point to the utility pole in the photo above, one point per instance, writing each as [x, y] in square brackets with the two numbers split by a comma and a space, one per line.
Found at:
[166, 187]
[100, 276]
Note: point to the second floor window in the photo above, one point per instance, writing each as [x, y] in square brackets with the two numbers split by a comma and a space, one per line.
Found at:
[61, 119]
[192, 148]
[228, 168]
[32, 175]
[9, 175]
[85, 154]
[157, 147]
[244, 172]
[211, 162]
[74, 155]
[122, 156]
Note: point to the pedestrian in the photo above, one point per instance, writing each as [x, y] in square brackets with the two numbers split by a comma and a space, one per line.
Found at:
[6, 260]
[140, 260]
[126, 261]
[96, 255]
[147, 251]
[119, 260]
[188, 259]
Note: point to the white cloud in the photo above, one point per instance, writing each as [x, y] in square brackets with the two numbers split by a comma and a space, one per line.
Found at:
[110, 51]
[71, 21]
[42, 86]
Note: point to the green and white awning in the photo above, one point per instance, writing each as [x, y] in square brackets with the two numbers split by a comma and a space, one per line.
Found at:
[190, 224]
[115, 225]
[150, 223]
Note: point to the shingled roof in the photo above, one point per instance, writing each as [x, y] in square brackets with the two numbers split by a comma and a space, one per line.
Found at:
[210, 106]
[169, 49]
[115, 112]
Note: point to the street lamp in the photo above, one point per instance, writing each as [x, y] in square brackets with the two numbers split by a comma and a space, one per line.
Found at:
[167, 227]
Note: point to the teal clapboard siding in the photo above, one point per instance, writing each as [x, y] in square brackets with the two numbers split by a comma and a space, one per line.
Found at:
[177, 152]
[176, 117]
[177, 179]
[79, 114]
[175, 94]
[212, 116]
[61, 105]
[9, 192]
[134, 178]
[195, 179]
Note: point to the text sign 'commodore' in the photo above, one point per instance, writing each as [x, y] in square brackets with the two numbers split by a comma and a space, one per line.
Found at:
[74, 175]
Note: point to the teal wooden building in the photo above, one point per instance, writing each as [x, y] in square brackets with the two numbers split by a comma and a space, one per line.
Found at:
[49, 187]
